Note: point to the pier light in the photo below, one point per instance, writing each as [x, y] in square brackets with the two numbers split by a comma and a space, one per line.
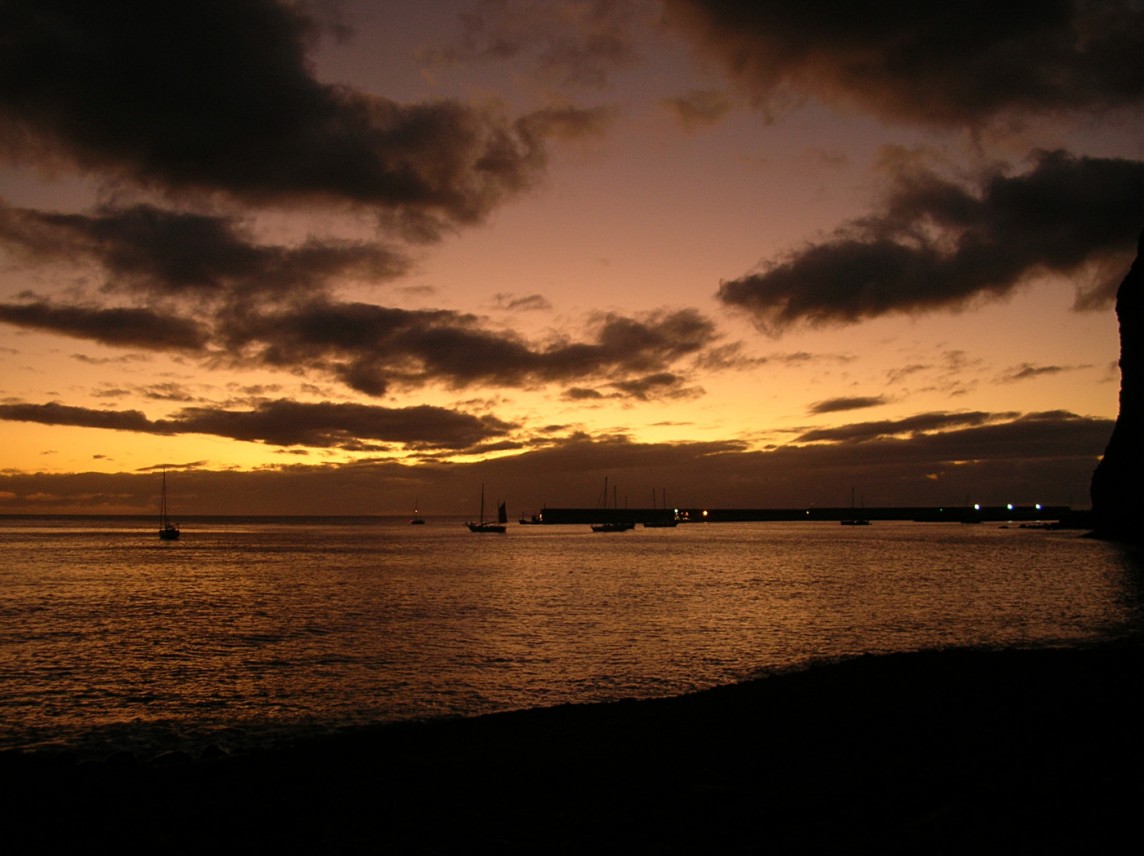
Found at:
[705, 512]
[977, 506]
[1009, 505]
[1038, 506]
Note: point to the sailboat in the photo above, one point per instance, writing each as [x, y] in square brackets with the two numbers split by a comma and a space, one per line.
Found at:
[489, 525]
[168, 531]
[855, 520]
[612, 525]
[662, 521]
[417, 519]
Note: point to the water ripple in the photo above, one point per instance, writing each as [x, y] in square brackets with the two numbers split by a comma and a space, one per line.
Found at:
[242, 632]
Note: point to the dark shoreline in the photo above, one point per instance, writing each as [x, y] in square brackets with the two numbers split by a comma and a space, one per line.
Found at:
[962, 751]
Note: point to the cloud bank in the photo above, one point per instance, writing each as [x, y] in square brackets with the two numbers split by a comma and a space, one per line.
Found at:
[939, 64]
[220, 97]
[930, 460]
[936, 244]
[150, 251]
[288, 423]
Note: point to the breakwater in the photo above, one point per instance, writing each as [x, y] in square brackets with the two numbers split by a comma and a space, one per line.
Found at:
[1047, 514]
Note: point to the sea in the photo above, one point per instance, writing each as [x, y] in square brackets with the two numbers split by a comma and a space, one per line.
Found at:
[248, 632]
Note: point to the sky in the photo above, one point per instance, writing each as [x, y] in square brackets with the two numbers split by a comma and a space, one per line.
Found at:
[349, 257]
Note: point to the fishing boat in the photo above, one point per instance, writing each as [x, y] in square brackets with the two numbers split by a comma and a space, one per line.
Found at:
[488, 525]
[417, 519]
[168, 531]
[612, 525]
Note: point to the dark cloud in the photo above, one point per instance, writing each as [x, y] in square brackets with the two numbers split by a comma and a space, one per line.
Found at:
[728, 356]
[955, 374]
[291, 423]
[656, 386]
[287, 423]
[369, 347]
[899, 374]
[1027, 371]
[699, 108]
[857, 402]
[652, 387]
[937, 244]
[935, 63]
[121, 327]
[1030, 437]
[121, 359]
[164, 252]
[168, 391]
[529, 303]
[572, 43]
[580, 393]
[220, 96]
[912, 426]
[82, 417]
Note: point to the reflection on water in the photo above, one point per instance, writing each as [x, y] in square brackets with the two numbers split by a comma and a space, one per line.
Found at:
[246, 629]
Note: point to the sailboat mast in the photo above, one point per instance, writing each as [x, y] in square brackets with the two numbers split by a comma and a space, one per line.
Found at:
[167, 530]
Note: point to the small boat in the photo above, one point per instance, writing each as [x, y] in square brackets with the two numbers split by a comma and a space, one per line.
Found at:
[488, 525]
[612, 525]
[661, 520]
[168, 531]
[417, 519]
[856, 520]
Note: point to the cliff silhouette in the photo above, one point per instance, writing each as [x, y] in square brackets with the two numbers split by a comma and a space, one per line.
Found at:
[1117, 505]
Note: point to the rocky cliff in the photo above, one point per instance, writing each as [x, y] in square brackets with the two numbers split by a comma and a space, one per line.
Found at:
[1118, 482]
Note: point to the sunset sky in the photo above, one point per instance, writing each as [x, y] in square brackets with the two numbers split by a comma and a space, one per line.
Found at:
[338, 257]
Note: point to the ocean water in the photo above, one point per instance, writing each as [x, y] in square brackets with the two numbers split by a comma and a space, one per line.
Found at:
[249, 631]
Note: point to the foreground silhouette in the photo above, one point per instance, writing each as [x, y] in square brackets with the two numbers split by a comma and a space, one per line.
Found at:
[950, 752]
[1118, 483]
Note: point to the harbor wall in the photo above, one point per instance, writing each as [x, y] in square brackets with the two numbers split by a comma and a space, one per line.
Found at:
[948, 514]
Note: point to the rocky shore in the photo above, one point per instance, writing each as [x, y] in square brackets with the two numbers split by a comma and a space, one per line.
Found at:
[1117, 488]
[935, 752]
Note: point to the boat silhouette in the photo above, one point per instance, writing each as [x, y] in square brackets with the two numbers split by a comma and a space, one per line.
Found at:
[661, 519]
[855, 519]
[488, 525]
[168, 531]
[612, 525]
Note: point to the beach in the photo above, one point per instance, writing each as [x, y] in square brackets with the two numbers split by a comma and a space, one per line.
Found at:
[957, 751]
